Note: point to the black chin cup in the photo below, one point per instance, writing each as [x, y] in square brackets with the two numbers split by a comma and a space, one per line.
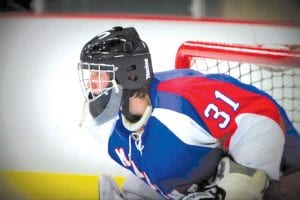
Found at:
[106, 107]
[97, 106]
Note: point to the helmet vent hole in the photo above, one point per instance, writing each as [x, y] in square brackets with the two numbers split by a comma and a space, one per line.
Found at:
[133, 78]
[131, 68]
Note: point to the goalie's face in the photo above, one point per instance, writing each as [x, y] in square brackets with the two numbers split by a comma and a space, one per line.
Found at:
[96, 79]
[98, 82]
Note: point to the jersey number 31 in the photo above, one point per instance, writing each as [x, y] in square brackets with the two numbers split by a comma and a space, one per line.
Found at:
[213, 110]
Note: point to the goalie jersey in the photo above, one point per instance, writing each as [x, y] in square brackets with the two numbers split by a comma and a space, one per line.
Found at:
[193, 116]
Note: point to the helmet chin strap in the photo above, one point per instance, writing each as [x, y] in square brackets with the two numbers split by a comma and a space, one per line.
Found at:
[136, 126]
[83, 114]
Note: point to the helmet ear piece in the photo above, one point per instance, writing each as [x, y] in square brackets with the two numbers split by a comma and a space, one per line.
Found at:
[134, 73]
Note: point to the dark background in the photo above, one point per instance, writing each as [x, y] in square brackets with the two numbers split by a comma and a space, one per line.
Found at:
[255, 10]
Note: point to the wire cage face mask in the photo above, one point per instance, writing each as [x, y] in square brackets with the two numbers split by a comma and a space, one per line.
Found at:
[96, 80]
[102, 93]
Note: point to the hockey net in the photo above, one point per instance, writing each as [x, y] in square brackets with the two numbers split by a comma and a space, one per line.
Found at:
[276, 71]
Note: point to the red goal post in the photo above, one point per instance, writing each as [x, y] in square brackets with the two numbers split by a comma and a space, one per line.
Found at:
[274, 70]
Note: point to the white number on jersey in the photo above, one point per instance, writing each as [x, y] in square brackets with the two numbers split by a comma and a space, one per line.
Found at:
[217, 113]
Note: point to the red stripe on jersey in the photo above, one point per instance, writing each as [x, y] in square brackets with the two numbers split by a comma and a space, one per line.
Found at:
[219, 103]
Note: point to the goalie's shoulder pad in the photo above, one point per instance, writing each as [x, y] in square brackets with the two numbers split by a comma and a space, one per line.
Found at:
[240, 182]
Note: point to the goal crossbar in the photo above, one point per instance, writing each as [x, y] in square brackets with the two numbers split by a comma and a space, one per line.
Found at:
[237, 52]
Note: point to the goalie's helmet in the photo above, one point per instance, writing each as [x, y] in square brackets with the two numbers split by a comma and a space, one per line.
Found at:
[120, 60]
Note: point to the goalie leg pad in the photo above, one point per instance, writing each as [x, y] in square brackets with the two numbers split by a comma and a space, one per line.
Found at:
[109, 190]
[241, 182]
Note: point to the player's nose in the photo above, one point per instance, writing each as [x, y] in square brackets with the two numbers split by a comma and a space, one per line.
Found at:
[92, 85]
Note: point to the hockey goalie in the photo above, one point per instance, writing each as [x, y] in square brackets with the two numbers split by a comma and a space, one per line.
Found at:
[182, 134]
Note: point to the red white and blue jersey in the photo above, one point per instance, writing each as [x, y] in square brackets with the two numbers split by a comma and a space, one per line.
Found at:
[192, 115]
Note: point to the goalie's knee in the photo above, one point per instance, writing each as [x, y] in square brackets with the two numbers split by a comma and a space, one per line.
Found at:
[241, 182]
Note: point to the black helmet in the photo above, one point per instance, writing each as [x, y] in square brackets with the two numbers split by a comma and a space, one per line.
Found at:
[123, 56]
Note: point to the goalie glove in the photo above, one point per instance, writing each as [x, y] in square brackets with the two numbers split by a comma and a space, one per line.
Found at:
[240, 182]
[209, 192]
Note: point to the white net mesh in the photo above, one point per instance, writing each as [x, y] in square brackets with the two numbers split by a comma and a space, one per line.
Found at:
[282, 83]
